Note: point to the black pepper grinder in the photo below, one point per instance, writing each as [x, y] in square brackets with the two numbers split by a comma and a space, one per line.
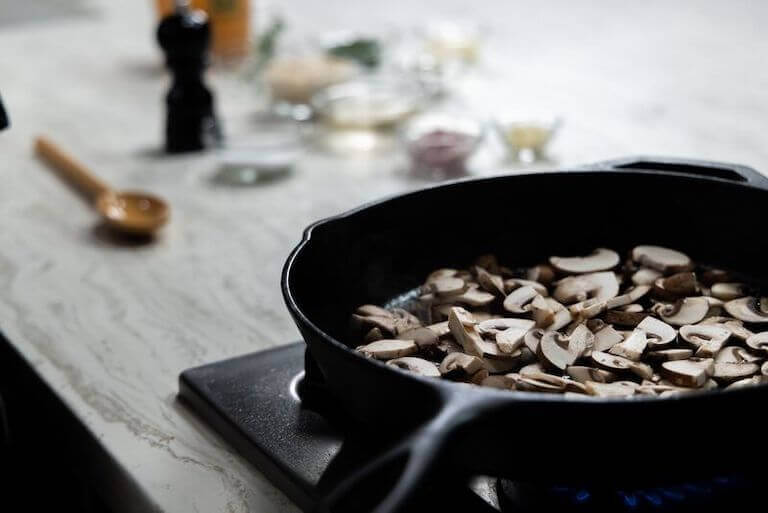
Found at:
[185, 38]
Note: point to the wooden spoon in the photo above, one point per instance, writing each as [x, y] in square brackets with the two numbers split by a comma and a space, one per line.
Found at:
[136, 213]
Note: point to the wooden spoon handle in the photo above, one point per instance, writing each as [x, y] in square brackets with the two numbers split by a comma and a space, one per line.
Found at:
[70, 169]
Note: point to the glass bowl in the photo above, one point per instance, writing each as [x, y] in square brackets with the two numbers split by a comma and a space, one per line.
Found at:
[371, 103]
[439, 144]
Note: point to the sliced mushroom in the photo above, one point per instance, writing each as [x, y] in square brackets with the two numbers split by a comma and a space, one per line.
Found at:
[542, 273]
[599, 260]
[583, 374]
[518, 300]
[662, 259]
[386, 324]
[738, 330]
[423, 337]
[502, 366]
[611, 362]
[709, 339]
[495, 326]
[460, 365]
[748, 309]
[515, 283]
[625, 318]
[416, 365]
[764, 369]
[478, 377]
[441, 273]
[473, 297]
[632, 347]
[735, 354]
[601, 286]
[447, 286]
[628, 297]
[606, 338]
[532, 339]
[373, 335]
[645, 276]
[549, 314]
[681, 284]
[686, 311]
[587, 309]
[668, 355]
[728, 291]
[730, 372]
[387, 349]
[582, 337]
[373, 310]
[489, 282]
[440, 329]
[658, 333]
[632, 308]
[759, 343]
[712, 276]
[687, 373]
[464, 330]
[534, 385]
[533, 367]
[609, 389]
[557, 352]
[496, 381]
[754, 380]
[510, 339]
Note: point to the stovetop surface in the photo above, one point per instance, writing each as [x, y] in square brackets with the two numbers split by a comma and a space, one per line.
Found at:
[253, 402]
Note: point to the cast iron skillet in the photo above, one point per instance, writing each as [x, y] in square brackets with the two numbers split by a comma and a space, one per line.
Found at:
[714, 212]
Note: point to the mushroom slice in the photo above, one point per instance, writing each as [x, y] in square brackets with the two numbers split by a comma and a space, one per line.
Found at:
[441, 273]
[712, 276]
[447, 286]
[632, 308]
[599, 260]
[534, 385]
[658, 333]
[662, 259]
[386, 324]
[542, 273]
[582, 336]
[492, 283]
[549, 314]
[464, 330]
[416, 365]
[615, 363]
[728, 291]
[632, 347]
[518, 300]
[730, 372]
[373, 310]
[424, 337]
[681, 284]
[442, 349]
[532, 339]
[582, 374]
[759, 343]
[533, 367]
[606, 338]
[495, 326]
[496, 381]
[748, 309]
[628, 297]
[686, 311]
[708, 339]
[668, 355]
[373, 335]
[502, 366]
[515, 283]
[473, 297]
[587, 309]
[764, 369]
[601, 286]
[387, 349]
[558, 352]
[645, 276]
[440, 329]
[738, 330]
[754, 380]
[510, 339]
[609, 389]
[460, 365]
[623, 318]
[687, 373]
[735, 354]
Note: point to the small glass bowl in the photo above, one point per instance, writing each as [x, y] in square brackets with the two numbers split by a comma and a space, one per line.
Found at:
[368, 104]
[527, 138]
[439, 144]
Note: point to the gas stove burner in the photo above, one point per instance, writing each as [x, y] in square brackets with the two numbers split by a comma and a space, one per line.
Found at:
[701, 496]
[284, 423]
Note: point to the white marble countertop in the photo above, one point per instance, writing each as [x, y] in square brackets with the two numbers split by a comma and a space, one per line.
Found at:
[110, 328]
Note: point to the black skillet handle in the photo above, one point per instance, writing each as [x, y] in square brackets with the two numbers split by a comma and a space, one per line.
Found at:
[703, 168]
[422, 458]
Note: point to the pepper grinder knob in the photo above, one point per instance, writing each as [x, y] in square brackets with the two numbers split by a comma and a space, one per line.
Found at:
[191, 123]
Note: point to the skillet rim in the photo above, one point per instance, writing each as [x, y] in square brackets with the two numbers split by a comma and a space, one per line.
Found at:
[445, 388]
